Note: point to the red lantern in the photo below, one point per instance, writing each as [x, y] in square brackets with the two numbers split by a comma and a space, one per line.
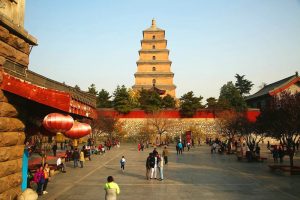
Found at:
[56, 122]
[78, 130]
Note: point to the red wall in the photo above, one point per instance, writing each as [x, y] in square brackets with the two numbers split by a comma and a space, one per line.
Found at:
[251, 114]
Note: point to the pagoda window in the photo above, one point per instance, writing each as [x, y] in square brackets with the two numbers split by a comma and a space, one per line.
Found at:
[153, 58]
[153, 37]
[154, 69]
[153, 46]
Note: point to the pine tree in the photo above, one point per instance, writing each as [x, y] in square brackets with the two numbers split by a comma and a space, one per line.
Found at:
[121, 101]
[189, 104]
[243, 85]
[103, 99]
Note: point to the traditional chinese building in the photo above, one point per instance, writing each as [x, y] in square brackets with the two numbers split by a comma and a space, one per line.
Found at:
[154, 66]
[26, 98]
[262, 98]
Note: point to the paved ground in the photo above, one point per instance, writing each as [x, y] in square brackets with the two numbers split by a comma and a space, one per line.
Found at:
[195, 175]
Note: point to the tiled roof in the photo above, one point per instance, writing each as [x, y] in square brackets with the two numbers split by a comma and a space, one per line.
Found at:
[269, 88]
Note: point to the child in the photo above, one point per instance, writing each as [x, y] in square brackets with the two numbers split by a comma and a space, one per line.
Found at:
[122, 162]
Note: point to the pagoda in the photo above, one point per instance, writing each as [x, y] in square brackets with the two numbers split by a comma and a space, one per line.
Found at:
[154, 66]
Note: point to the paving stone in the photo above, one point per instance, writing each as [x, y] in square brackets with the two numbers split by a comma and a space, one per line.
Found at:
[194, 175]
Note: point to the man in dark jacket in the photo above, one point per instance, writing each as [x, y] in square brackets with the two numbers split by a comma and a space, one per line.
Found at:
[148, 167]
[54, 148]
[76, 157]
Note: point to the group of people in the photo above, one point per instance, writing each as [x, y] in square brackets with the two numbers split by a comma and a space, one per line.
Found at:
[41, 178]
[278, 152]
[155, 162]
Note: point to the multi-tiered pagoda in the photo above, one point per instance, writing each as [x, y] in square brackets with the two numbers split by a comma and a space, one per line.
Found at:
[154, 66]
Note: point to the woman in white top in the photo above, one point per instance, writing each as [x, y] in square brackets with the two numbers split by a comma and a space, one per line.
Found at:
[161, 168]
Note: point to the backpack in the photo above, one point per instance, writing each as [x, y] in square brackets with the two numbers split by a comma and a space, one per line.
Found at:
[152, 162]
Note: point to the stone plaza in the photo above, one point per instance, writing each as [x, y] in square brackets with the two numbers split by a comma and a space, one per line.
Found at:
[196, 174]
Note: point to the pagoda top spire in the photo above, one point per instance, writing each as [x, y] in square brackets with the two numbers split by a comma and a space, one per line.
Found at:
[153, 23]
[153, 27]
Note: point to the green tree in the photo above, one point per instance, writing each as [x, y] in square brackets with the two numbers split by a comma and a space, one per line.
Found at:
[242, 84]
[230, 98]
[92, 89]
[121, 101]
[103, 99]
[150, 101]
[211, 103]
[168, 101]
[189, 104]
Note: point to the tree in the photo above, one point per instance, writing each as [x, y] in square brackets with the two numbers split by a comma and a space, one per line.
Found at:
[197, 133]
[160, 124]
[120, 132]
[150, 101]
[76, 87]
[189, 104]
[230, 124]
[134, 98]
[243, 85]
[145, 133]
[121, 101]
[104, 124]
[212, 103]
[92, 89]
[168, 101]
[281, 120]
[251, 132]
[231, 98]
[103, 99]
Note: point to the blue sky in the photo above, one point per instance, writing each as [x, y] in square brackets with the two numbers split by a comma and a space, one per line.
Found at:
[85, 42]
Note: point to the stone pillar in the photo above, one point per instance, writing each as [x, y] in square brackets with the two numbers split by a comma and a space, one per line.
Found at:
[12, 137]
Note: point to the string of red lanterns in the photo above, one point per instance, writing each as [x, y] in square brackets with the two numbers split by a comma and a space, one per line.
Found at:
[56, 122]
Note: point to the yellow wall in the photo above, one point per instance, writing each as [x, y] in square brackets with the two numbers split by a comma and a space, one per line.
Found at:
[159, 81]
[158, 35]
[158, 55]
[159, 68]
[158, 45]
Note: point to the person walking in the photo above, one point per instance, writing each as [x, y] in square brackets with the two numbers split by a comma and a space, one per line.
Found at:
[180, 147]
[46, 175]
[275, 154]
[76, 157]
[161, 167]
[280, 154]
[54, 149]
[148, 166]
[122, 162]
[165, 154]
[111, 188]
[81, 158]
